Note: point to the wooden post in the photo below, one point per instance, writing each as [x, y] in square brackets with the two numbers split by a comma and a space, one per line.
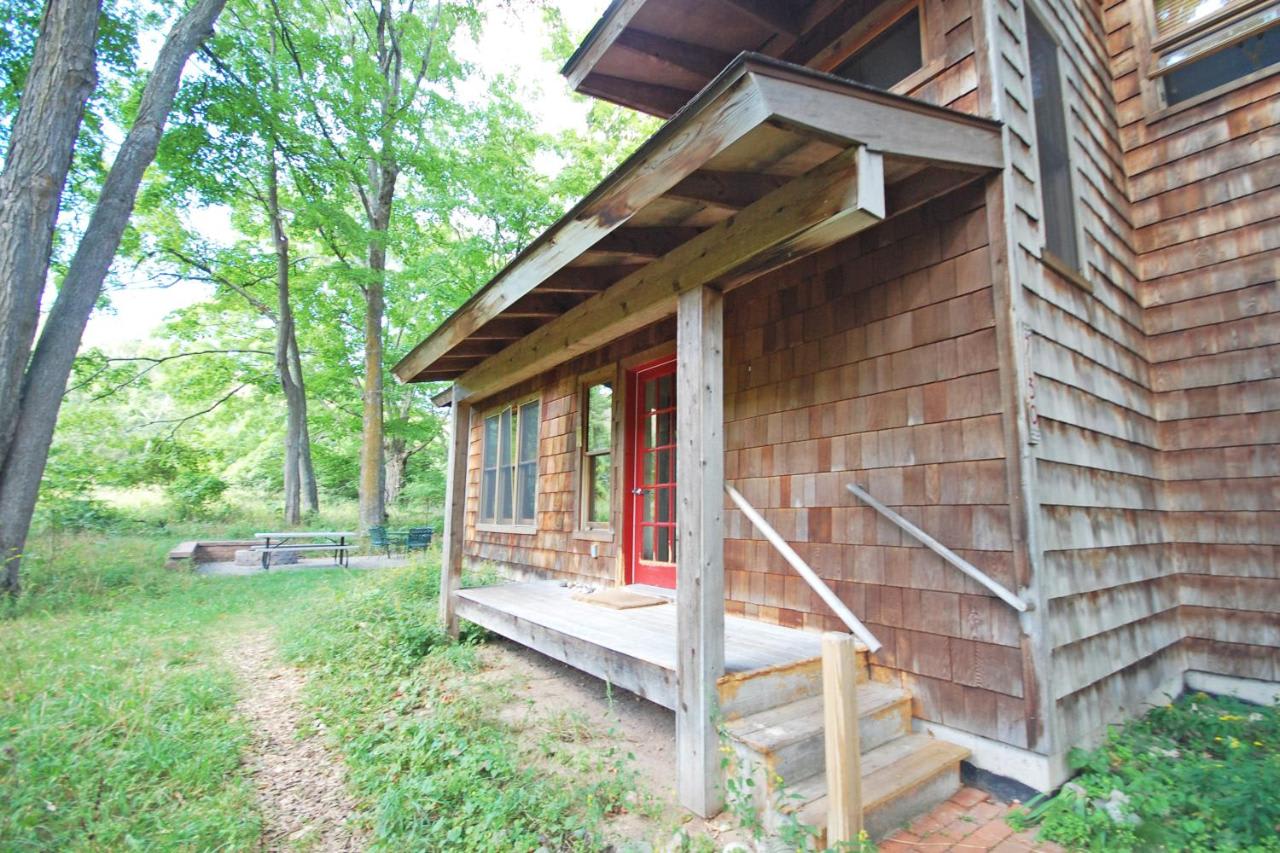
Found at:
[699, 545]
[844, 752]
[455, 508]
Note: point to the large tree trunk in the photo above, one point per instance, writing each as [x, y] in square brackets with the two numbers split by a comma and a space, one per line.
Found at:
[397, 460]
[46, 377]
[285, 342]
[41, 145]
[373, 508]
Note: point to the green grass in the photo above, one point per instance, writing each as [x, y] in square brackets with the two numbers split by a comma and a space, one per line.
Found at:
[118, 727]
[117, 721]
[421, 735]
[1199, 774]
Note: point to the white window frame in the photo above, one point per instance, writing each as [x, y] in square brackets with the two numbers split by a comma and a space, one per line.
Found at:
[516, 524]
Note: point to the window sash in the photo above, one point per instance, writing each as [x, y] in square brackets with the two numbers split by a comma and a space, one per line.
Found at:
[509, 465]
[1200, 40]
[595, 482]
[1053, 146]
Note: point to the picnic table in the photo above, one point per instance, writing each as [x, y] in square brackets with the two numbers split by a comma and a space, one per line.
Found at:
[291, 541]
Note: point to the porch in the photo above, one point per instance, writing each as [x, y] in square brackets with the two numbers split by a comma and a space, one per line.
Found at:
[634, 649]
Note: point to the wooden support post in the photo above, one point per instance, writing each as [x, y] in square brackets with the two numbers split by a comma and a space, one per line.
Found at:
[455, 508]
[844, 753]
[699, 545]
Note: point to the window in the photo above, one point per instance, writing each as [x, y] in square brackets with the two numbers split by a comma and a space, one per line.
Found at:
[509, 465]
[889, 57]
[1201, 45]
[1052, 146]
[597, 455]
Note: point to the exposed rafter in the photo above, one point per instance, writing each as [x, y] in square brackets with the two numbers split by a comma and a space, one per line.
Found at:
[785, 17]
[726, 189]
[657, 100]
[675, 54]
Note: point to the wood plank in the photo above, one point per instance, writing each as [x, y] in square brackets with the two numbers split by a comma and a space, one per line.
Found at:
[841, 736]
[726, 189]
[675, 152]
[661, 101]
[700, 645]
[835, 201]
[455, 511]
[612, 24]
[675, 54]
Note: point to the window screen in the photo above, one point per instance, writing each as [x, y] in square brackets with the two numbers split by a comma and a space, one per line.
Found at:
[889, 57]
[597, 454]
[1219, 67]
[509, 465]
[1052, 145]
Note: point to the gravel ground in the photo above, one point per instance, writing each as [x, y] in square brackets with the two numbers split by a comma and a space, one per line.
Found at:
[362, 563]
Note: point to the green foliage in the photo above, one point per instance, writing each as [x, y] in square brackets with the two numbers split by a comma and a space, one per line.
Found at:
[422, 739]
[117, 725]
[1196, 774]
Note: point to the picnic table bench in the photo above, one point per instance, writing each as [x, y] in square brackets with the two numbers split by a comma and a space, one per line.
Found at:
[288, 542]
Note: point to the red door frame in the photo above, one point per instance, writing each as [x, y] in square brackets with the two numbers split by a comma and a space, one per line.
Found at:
[630, 516]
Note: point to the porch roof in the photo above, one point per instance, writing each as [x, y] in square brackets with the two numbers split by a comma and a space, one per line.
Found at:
[764, 144]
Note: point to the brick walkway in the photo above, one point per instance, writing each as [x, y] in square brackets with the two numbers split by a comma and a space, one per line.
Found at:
[970, 822]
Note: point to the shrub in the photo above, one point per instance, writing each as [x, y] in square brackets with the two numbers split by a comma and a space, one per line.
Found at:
[1197, 774]
[193, 493]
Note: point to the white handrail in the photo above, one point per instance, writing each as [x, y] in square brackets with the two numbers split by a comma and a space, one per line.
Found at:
[816, 583]
[941, 550]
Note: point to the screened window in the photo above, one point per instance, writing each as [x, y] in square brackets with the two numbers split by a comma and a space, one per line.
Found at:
[1052, 146]
[1204, 44]
[509, 465]
[888, 58]
[597, 455]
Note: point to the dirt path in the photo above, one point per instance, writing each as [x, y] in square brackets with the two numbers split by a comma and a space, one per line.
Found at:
[300, 784]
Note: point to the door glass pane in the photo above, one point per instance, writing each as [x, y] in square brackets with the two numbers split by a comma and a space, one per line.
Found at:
[647, 470]
[647, 504]
[664, 547]
[646, 543]
[666, 466]
[666, 391]
[666, 429]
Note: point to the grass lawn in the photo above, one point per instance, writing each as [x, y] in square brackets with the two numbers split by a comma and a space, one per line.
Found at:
[119, 729]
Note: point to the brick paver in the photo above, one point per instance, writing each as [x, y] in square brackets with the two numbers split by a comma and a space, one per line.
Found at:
[970, 822]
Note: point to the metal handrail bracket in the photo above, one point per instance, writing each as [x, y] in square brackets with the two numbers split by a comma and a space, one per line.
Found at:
[941, 550]
[810, 577]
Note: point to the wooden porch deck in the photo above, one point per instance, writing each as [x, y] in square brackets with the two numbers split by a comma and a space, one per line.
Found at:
[633, 649]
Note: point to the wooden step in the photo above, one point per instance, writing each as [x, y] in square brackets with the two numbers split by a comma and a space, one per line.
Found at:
[742, 694]
[788, 739]
[900, 780]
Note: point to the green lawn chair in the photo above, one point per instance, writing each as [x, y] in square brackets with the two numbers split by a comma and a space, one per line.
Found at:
[380, 540]
[419, 539]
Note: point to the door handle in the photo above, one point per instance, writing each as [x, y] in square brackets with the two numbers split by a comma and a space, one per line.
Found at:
[637, 491]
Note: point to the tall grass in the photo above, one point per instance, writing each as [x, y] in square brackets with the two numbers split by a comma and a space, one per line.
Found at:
[117, 720]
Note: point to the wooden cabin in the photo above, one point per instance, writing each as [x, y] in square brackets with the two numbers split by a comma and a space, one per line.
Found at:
[968, 307]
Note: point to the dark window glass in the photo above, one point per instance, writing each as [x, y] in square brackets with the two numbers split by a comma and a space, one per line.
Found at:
[506, 465]
[889, 57]
[1222, 66]
[598, 456]
[489, 469]
[1052, 145]
[527, 475]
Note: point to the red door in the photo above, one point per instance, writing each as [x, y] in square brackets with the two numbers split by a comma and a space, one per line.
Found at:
[650, 522]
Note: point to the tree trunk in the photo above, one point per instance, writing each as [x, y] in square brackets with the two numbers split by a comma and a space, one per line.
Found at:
[397, 460]
[41, 145]
[306, 469]
[46, 377]
[373, 508]
[285, 343]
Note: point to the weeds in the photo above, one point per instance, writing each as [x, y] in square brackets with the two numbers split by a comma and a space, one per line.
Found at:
[1197, 774]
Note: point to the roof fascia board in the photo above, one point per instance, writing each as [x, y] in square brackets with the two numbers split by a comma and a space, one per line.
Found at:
[724, 112]
[615, 19]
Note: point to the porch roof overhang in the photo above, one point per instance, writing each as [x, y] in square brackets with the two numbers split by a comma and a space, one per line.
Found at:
[768, 163]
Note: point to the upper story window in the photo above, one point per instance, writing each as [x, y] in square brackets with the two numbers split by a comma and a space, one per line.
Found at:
[596, 488]
[1201, 45]
[509, 465]
[1052, 147]
[888, 55]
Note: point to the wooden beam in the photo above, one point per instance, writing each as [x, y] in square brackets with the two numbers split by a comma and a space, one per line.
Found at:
[652, 98]
[839, 198]
[500, 329]
[726, 189]
[674, 54]
[785, 17]
[674, 152]
[652, 242]
[455, 510]
[700, 546]
[924, 186]
[612, 23]
[841, 736]
[882, 121]
[585, 279]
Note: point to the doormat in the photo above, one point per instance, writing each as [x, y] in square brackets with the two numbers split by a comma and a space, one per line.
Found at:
[619, 599]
